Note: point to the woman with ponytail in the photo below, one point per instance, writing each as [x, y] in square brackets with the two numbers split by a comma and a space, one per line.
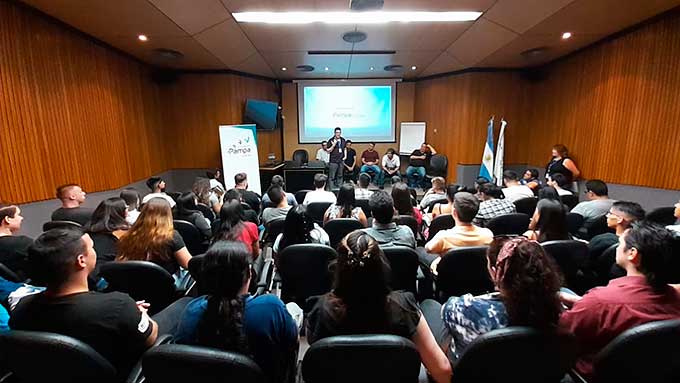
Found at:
[230, 319]
[362, 303]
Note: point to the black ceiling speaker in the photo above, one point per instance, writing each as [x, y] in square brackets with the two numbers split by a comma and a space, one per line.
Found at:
[167, 54]
[304, 68]
[394, 68]
[366, 5]
[534, 53]
[354, 36]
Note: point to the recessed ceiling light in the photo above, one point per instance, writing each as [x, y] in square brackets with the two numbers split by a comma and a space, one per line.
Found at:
[326, 68]
[352, 17]
[142, 38]
[372, 68]
[414, 67]
[284, 69]
[566, 35]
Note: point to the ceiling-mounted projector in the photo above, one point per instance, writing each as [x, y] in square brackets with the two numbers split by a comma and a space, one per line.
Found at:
[366, 5]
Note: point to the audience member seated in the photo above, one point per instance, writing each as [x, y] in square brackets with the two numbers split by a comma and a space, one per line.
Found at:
[620, 217]
[527, 281]
[322, 154]
[598, 203]
[642, 296]
[345, 207]
[676, 213]
[250, 214]
[446, 208]
[418, 162]
[562, 164]
[153, 238]
[186, 210]
[351, 169]
[13, 248]
[361, 190]
[157, 187]
[133, 202]
[234, 227]
[362, 303]
[230, 319]
[550, 223]
[277, 180]
[492, 204]
[250, 197]
[513, 189]
[530, 179]
[108, 226]
[208, 195]
[370, 163]
[276, 196]
[113, 324]
[320, 194]
[391, 164]
[436, 193]
[215, 177]
[464, 234]
[299, 228]
[402, 202]
[72, 196]
[560, 183]
[384, 229]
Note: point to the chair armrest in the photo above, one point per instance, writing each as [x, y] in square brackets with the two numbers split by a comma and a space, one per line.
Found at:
[576, 377]
[136, 375]
[266, 277]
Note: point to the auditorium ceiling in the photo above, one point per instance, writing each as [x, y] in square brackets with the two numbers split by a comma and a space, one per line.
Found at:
[208, 37]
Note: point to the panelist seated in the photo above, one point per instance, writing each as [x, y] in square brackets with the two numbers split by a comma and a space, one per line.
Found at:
[391, 164]
[322, 154]
[369, 160]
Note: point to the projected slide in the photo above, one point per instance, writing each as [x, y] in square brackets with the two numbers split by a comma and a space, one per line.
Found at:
[364, 112]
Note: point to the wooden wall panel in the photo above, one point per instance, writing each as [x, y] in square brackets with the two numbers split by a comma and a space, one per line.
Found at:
[71, 110]
[196, 104]
[616, 106]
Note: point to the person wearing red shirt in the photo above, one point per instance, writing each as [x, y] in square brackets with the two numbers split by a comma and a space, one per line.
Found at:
[642, 296]
[370, 161]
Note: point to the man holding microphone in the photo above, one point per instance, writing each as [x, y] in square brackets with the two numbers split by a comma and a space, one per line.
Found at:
[336, 149]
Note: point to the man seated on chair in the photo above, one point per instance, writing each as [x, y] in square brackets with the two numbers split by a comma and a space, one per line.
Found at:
[157, 187]
[513, 190]
[319, 194]
[370, 163]
[598, 203]
[391, 164]
[620, 217]
[277, 180]
[351, 169]
[419, 159]
[71, 197]
[361, 190]
[322, 154]
[281, 208]
[642, 296]
[384, 230]
[113, 324]
[250, 197]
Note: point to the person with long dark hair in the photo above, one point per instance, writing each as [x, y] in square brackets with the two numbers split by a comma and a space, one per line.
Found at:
[299, 228]
[551, 223]
[362, 302]
[133, 202]
[528, 284]
[345, 206]
[402, 202]
[234, 227]
[108, 225]
[230, 319]
[186, 210]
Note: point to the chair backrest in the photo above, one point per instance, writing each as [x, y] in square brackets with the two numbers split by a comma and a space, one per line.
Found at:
[300, 157]
[603, 264]
[463, 270]
[300, 196]
[338, 228]
[662, 215]
[273, 229]
[408, 220]
[363, 204]
[183, 363]
[316, 210]
[361, 358]
[517, 354]
[513, 223]
[570, 256]
[441, 222]
[304, 271]
[142, 281]
[34, 356]
[570, 200]
[403, 267]
[526, 205]
[60, 225]
[645, 353]
[192, 237]
[439, 166]
[207, 211]
[574, 223]
[8, 274]
[428, 208]
[597, 227]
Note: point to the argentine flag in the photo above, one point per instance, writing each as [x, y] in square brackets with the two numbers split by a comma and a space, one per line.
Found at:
[486, 170]
[500, 152]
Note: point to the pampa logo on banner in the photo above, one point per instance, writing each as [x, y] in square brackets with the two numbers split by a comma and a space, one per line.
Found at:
[239, 154]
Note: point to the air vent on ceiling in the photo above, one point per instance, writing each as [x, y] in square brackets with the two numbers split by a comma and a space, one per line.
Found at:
[354, 36]
[394, 68]
[304, 68]
[349, 52]
[366, 5]
[167, 54]
[534, 52]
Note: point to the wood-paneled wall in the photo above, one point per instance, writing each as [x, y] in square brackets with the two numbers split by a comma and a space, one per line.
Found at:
[71, 110]
[616, 106]
[196, 104]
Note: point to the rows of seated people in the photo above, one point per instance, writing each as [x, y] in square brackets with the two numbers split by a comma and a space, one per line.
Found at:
[53, 283]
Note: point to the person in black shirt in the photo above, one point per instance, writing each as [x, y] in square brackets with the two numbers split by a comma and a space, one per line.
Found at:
[420, 158]
[336, 150]
[351, 161]
[13, 248]
[72, 196]
[560, 163]
[251, 198]
[186, 210]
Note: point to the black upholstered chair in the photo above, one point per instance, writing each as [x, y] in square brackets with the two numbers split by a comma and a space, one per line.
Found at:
[316, 210]
[300, 196]
[363, 204]
[408, 220]
[664, 216]
[300, 157]
[403, 267]
[183, 363]
[572, 258]
[207, 211]
[574, 223]
[514, 223]
[516, 354]
[439, 166]
[361, 358]
[193, 239]
[142, 281]
[645, 353]
[338, 228]
[441, 222]
[33, 356]
[60, 225]
[461, 271]
[570, 200]
[272, 229]
[428, 208]
[526, 205]
[304, 271]
[596, 227]
[603, 264]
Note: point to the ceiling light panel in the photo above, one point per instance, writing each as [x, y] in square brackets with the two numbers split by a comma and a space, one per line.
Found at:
[352, 17]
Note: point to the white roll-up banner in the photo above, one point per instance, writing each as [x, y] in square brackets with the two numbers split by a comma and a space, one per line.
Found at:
[239, 155]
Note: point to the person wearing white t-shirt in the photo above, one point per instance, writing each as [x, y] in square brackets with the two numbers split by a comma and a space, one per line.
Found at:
[559, 182]
[390, 164]
[157, 186]
[513, 190]
[320, 194]
[322, 154]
